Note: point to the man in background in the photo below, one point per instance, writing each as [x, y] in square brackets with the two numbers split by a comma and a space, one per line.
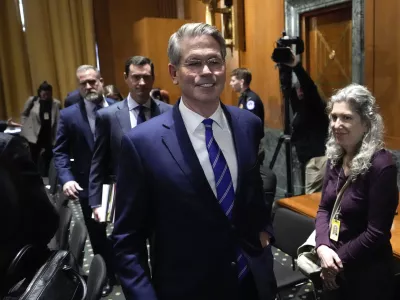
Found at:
[309, 126]
[114, 121]
[75, 138]
[240, 83]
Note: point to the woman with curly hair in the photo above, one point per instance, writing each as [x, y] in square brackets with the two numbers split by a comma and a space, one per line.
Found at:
[353, 236]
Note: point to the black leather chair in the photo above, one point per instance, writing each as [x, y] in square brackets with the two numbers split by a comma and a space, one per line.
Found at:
[291, 230]
[97, 278]
[53, 179]
[60, 239]
[77, 242]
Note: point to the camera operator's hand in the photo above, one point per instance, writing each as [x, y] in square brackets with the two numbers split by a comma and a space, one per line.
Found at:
[295, 60]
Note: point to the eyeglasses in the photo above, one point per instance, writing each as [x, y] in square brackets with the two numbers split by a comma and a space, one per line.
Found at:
[197, 65]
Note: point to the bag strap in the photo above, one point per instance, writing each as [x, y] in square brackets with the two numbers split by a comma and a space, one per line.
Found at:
[339, 197]
[28, 110]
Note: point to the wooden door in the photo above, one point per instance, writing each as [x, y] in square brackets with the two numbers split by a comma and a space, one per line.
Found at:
[328, 40]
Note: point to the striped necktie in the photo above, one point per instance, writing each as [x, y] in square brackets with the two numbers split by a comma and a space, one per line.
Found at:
[224, 186]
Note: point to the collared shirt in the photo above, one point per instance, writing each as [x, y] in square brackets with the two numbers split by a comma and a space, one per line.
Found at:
[133, 112]
[223, 136]
[91, 113]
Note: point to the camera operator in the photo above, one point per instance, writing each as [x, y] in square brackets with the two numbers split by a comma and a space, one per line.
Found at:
[309, 126]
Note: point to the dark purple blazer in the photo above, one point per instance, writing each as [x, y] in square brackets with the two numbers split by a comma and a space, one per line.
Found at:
[368, 207]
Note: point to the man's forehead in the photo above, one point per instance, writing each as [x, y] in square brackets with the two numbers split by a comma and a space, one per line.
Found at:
[143, 69]
[88, 74]
[200, 45]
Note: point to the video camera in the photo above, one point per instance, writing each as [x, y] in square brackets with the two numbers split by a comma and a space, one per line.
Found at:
[282, 53]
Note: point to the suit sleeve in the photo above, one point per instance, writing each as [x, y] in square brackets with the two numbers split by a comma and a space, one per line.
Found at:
[24, 111]
[311, 94]
[267, 206]
[62, 151]
[132, 224]
[100, 158]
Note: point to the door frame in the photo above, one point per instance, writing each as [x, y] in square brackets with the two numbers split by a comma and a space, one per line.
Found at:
[294, 8]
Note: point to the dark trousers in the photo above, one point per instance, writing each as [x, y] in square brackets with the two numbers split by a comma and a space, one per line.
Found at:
[98, 237]
[248, 289]
[41, 161]
[372, 281]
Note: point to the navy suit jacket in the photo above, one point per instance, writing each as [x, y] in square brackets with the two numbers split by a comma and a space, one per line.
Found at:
[162, 191]
[72, 98]
[111, 124]
[74, 137]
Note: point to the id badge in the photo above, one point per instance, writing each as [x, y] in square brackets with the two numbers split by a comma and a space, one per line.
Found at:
[335, 228]
[46, 116]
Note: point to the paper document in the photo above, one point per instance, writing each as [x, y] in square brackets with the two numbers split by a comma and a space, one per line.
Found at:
[107, 209]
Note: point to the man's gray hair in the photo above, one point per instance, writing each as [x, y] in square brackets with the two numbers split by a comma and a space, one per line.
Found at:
[362, 102]
[192, 30]
[84, 68]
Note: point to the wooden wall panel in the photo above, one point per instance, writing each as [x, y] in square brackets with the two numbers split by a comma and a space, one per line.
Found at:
[156, 48]
[264, 23]
[114, 21]
[103, 38]
[383, 60]
[194, 10]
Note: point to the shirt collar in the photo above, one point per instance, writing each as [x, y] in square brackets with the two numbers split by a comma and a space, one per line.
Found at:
[192, 119]
[132, 104]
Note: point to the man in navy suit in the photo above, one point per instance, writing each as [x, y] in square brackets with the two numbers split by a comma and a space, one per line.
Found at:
[190, 178]
[75, 138]
[114, 121]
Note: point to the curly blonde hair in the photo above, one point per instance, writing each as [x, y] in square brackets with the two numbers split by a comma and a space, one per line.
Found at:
[362, 102]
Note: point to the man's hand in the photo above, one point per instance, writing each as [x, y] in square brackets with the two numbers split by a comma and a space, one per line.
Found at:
[96, 212]
[11, 123]
[264, 239]
[295, 60]
[71, 189]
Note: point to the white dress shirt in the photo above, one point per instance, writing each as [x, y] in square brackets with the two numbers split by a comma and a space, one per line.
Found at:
[133, 112]
[223, 136]
[91, 114]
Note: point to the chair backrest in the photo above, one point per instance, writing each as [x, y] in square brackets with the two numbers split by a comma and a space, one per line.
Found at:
[291, 230]
[62, 233]
[97, 278]
[77, 241]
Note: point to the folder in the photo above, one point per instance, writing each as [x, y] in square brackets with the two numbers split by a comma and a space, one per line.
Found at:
[107, 209]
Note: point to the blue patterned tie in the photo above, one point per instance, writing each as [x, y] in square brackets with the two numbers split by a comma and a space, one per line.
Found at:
[223, 185]
[141, 117]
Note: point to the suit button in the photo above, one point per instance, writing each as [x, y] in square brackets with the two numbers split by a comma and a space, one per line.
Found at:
[233, 264]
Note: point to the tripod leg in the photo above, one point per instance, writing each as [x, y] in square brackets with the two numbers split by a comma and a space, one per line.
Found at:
[289, 172]
[276, 152]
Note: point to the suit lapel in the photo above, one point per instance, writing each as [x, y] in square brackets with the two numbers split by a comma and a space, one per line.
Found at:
[239, 141]
[84, 124]
[178, 143]
[123, 116]
[155, 109]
